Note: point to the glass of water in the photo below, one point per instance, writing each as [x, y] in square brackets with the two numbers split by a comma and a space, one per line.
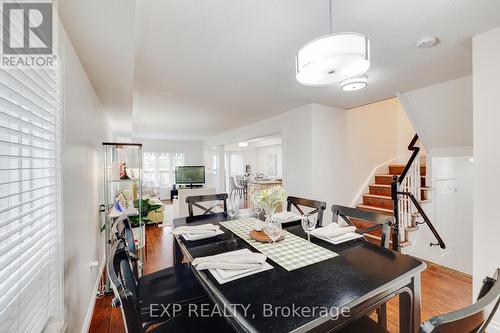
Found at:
[308, 224]
[273, 230]
[257, 209]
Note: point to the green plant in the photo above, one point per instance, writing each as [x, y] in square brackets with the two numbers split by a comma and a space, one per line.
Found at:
[134, 219]
[146, 208]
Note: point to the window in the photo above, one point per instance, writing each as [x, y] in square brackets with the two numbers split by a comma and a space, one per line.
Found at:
[159, 168]
[30, 226]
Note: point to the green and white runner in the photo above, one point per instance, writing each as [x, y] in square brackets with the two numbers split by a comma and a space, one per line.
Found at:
[291, 253]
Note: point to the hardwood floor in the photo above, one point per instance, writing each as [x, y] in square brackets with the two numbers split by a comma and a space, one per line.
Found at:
[443, 290]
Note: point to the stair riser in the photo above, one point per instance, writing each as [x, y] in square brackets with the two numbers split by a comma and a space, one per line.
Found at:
[383, 180]
[397, 170]
[386, 191]
[378, 202]
[380, 190]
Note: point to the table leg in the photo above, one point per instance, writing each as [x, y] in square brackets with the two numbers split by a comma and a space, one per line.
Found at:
[409, 307]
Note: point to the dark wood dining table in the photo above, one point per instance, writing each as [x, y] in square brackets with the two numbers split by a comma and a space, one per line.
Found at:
[360, 279]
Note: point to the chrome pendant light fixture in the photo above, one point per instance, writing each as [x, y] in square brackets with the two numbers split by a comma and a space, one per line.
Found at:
[333, 58]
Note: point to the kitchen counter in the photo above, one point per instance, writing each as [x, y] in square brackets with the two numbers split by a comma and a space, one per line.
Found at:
[265, 182]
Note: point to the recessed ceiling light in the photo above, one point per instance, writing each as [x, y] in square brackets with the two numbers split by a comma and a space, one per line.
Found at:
[356, 83]
[243, 144]
[427, 41]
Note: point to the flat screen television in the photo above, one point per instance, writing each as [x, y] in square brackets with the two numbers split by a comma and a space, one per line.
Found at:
[189, 175]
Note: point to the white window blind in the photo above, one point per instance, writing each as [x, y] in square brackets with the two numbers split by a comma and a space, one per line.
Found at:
[30, 228]
[159, 168]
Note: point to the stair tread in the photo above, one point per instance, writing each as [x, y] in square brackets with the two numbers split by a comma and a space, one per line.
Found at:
[380, 185]
[377, 196]
[362, 206]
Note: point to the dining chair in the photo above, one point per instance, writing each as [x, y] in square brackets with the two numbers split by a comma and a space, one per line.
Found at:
[299, 203]
[379, 221]
[137, 318]
[474, 318]
[172, 285]
[213, 200]
[236, 187]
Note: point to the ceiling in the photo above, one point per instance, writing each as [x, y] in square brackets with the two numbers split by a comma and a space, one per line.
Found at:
[180, 69]
[264, 141]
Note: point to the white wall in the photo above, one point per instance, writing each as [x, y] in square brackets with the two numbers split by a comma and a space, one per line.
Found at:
[442, 114]
[486, 71]
[84, 129]
[295, 127]
[454, 220]
[329, 152]
[193, 150]
[347, 145]
[260, 160]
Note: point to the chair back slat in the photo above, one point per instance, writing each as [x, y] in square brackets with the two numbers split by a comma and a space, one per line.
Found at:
[379, 221]
[472, 319]
[194, 200]
[124, 286]
[299, 203]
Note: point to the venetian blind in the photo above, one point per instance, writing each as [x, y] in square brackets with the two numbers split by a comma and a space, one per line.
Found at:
[30, 225]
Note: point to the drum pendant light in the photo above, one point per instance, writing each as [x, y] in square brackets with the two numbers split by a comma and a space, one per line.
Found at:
[333, 58]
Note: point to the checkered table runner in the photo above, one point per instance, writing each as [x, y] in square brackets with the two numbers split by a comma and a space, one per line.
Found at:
[291, 253]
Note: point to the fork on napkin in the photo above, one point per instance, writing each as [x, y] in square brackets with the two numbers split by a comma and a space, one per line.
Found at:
[230, 261]
[332, 230]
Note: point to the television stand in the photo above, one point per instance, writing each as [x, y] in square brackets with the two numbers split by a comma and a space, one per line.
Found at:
[194, 185]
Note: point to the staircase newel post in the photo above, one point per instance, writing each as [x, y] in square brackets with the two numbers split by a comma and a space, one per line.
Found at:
[395, 227]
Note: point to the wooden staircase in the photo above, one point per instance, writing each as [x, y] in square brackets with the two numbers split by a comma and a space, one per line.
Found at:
[378, 199]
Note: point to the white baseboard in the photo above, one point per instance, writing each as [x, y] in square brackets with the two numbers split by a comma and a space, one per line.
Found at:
[90, 311]
[493, 327]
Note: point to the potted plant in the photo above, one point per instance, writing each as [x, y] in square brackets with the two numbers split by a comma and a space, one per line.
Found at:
[138, 227]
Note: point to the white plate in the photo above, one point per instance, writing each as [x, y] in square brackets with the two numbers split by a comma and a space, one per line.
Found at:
[191, 237]
[341, 238]
[224, 276]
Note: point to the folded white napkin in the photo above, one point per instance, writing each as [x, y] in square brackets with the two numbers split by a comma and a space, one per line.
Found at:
[287, 216]
[230, 261]
[332, 230]
[196, 229]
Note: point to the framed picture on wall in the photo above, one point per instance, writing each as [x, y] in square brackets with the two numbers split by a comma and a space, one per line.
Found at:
[272, 165]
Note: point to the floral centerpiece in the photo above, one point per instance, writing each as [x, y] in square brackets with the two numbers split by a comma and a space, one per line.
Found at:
[269, 200]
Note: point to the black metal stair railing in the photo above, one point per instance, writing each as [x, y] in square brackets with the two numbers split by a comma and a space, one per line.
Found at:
[396, 193]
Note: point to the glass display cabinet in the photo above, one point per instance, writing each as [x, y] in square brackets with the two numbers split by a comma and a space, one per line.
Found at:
[122, 192]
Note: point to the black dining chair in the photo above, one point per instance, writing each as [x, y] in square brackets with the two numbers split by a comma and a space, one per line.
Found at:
[214, 199]
[474, 318]
[171, 285]
[129, 300]
[299, 203]
[379, 221]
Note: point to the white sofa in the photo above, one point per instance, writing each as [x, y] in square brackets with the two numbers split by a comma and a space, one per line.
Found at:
[180, 205]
